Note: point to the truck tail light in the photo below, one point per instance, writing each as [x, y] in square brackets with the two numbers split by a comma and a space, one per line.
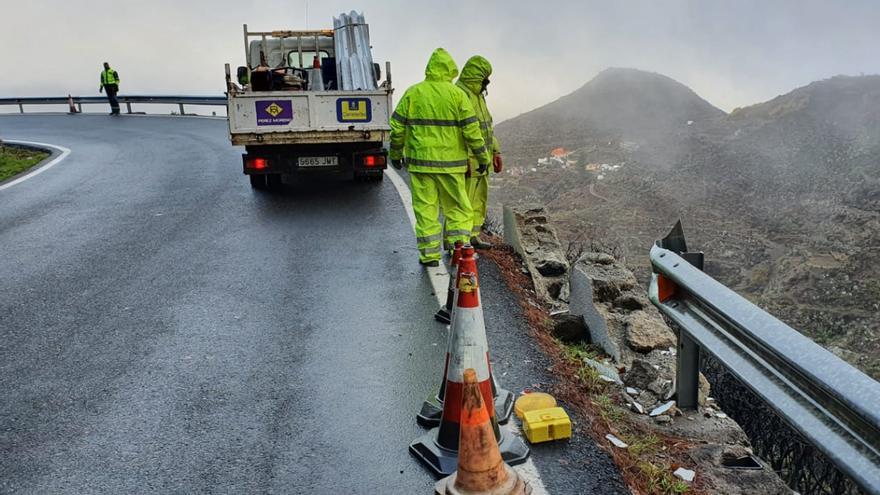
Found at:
[257, 163]
[374, 161]
[666, 288]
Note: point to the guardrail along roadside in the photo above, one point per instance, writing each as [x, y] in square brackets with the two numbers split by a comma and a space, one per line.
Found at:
[75, 103]
[829, 410]
[607, 321]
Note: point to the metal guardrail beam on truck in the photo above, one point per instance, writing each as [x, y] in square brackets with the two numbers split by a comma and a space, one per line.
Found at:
[79, 101]
[831, 404]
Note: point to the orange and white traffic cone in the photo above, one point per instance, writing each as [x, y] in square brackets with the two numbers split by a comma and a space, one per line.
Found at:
[481, 470]
[438, 448]
[432, 408]
[444, 314]
[71, 107]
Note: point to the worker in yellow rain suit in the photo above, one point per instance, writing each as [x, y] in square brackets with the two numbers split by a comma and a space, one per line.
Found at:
[433, 129]
[473, 80]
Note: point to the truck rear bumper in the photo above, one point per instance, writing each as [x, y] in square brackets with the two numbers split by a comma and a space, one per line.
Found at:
[309, 137]
[359, 161]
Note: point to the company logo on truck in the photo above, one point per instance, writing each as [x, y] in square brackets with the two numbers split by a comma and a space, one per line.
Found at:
[353, 110]
[274, 112]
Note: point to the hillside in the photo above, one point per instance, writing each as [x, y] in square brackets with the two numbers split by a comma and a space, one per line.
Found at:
[624, 107]
[783, 196]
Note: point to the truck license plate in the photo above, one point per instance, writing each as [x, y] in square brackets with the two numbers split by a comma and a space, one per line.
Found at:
[318, 161]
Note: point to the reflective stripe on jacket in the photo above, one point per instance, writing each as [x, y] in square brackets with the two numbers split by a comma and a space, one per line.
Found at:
[434, 127]
[475, 71]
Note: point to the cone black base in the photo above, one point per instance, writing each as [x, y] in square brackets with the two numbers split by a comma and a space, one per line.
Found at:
[443, 316]
[432, 409]
[503, 405]
[443, 462]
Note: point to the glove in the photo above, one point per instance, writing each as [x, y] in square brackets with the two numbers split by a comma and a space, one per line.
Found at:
[497, 163]
[101, 89]
[482, 168]
[397, 164]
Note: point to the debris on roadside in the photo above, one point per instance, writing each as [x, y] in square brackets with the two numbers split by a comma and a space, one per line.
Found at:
[620, 444]
[684, 474]
[662, 409]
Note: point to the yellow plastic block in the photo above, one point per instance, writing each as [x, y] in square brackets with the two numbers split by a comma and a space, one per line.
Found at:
[543, 425]
[532, 401]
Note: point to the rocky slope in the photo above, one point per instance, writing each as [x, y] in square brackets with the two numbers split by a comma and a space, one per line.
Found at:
[783, 196]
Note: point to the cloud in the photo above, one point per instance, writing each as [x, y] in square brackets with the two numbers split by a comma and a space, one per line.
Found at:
[731, 53]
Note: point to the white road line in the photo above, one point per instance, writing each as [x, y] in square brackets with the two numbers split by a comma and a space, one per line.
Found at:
[64, 152]
[439, 277]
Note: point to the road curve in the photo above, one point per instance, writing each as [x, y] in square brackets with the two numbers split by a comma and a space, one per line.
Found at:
[165, 329]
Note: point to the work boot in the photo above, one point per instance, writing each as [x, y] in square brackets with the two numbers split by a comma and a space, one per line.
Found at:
[429, 263]
[478, 243]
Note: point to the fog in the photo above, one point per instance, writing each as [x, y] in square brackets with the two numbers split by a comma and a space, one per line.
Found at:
[731, 53]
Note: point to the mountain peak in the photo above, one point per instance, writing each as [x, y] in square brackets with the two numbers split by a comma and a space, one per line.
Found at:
[621, 103]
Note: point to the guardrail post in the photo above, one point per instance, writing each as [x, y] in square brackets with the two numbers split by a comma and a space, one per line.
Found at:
[128, 107]
[181, 109]
[20, 108]
[687, 372]
[79, 107]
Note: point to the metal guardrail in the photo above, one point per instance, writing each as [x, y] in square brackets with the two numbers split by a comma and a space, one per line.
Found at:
[79, 101]
[831, 404]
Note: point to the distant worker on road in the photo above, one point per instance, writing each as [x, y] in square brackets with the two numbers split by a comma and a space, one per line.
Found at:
[433, 130]
[473, 80]
[110, 84]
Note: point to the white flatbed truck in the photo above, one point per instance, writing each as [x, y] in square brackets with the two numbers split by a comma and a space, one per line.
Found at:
[288, 112]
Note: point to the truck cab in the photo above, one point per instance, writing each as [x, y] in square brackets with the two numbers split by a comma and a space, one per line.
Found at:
[310, 102]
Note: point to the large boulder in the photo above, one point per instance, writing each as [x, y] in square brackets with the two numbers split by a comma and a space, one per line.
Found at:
[646, 332]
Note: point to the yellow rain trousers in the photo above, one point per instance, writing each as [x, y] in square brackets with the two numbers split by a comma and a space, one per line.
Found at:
[430, 193]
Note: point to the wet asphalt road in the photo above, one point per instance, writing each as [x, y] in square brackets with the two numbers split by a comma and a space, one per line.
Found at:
[165, 329]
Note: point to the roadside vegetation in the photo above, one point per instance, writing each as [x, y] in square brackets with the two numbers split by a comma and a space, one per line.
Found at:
[15, 160]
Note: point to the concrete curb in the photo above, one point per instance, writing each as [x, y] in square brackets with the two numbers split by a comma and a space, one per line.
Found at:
[56, 154]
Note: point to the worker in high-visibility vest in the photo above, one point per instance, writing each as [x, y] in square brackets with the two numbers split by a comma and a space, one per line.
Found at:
[433, 130]
[110, 84]
[473, 80]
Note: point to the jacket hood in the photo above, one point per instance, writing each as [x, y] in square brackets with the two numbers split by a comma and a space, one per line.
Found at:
[441, 66]
[475, 70]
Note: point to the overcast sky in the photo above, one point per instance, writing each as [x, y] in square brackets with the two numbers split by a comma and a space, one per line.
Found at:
[733, 53]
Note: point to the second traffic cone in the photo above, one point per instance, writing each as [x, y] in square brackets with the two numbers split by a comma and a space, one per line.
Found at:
[481, 470]
[438, 448]
[444, 314]
[432, 408]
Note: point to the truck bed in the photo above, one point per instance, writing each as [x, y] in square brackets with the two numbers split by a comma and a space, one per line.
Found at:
[295, 117]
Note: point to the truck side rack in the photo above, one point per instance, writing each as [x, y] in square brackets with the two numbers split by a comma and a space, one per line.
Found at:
[834, 406]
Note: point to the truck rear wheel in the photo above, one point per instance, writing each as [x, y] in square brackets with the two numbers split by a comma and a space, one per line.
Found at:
[258, 181]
